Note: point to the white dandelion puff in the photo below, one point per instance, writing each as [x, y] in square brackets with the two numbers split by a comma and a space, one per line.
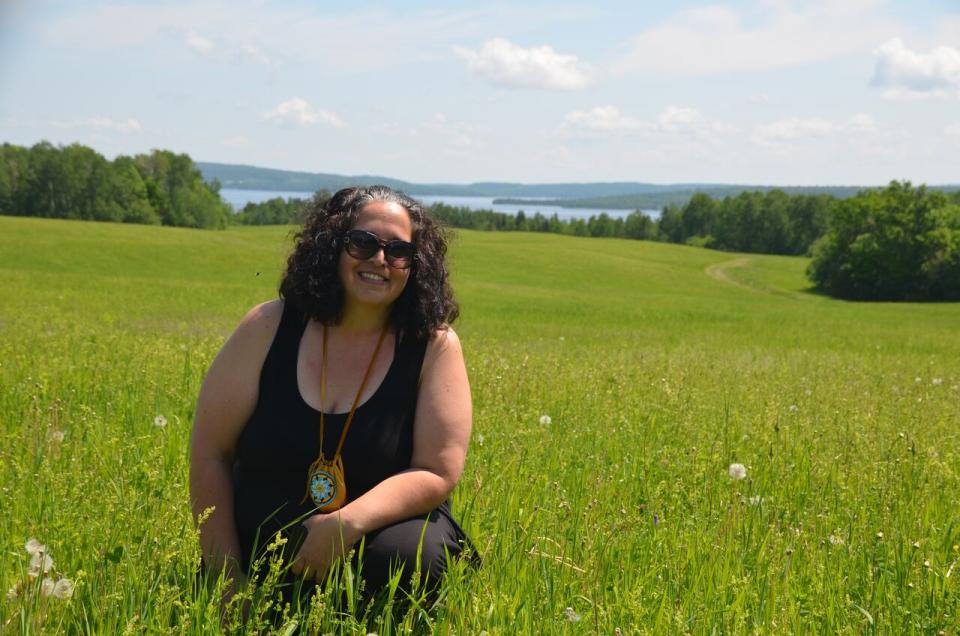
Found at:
[918, 379]
[480, 439]
[737, 471]
[571, 615]
[936, 381]
[545, 420]
[46, 587]
[835, 539]
[32, 546]
[160, 421]
[57, 436]
[794, 408]
[40, 563]
[755, 500]
[63, 589]
[14, 592]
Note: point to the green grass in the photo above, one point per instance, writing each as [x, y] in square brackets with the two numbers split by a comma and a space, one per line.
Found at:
[659, 366]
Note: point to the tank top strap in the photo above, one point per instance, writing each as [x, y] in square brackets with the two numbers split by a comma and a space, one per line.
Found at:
[281, 360]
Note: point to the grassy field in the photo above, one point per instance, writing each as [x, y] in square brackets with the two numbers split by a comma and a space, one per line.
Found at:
[658, 367]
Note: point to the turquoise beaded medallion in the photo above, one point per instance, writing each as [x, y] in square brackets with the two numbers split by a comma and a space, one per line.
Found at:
[323, 488]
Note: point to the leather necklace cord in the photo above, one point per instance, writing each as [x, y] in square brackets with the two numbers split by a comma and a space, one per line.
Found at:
[356, 400]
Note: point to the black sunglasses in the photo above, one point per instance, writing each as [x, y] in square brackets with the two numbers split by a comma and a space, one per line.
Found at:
[362, 245]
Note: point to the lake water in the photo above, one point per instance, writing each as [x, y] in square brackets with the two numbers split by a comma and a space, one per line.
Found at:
[239, 198]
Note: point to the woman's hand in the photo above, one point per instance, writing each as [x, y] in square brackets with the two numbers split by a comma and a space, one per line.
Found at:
[328, 539]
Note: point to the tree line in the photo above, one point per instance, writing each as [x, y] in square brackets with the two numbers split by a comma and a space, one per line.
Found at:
[76, 182]
[897, 243]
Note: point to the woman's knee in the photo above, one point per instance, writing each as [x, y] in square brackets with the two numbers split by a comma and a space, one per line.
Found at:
[403, 547]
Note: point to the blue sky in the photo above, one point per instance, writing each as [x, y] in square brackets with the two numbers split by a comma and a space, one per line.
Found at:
[770, 91]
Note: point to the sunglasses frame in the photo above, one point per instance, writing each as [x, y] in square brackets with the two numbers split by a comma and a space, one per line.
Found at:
[386, 246]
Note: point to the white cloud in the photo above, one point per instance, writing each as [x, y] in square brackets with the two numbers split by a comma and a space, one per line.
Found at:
[510, 65]
[953, 130]
[253, 53]
[673, 121]
[908, 74]
[102, 123]
[604, 119]
[299, 112]
[795, 129]
[198, 43]
[717, 39]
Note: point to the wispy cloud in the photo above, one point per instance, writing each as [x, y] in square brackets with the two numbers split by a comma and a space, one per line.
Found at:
[672, 121]
[508, 64]
[198, 44]
[719, 39]
[102, 123]
[793, 129]
[299, 112]
[910, 75]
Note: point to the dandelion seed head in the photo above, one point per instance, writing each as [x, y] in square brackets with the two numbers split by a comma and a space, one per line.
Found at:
[571, 615]
[159, 421]
[755, 500]
[40, 563]
[835, 539]
[14, 592]
[794, 408]
[57, 436]
[63, 589]
[918, 379]
[480, 439]
[46, 586]
[545, 420]
[936, 381]
[32, 546]
[737, 471]
[926, 564]
[879, 535]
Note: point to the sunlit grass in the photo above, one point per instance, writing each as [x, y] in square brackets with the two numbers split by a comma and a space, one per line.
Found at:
[618, 513]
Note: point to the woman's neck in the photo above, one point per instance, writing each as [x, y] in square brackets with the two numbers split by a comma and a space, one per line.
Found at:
[362, 320]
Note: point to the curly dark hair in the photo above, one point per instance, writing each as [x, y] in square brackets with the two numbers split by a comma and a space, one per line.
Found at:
[311, 281]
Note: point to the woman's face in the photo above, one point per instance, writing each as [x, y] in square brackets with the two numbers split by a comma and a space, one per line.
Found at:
[372, 281]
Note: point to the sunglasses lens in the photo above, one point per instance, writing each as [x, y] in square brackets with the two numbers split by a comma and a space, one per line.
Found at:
[399, 254]
[361, 245]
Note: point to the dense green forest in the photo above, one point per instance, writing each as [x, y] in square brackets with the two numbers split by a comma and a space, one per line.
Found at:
[76, 182]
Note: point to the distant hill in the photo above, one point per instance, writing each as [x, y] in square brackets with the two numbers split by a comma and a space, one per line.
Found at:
[619, 195]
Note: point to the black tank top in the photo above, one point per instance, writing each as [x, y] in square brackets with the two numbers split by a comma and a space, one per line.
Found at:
[282, 438]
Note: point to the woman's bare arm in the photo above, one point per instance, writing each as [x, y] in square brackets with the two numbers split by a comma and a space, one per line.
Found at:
[227, 400]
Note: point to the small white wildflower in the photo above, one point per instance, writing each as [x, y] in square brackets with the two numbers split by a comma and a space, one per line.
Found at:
[737, 471]
[545, 420]
[571, 615]
[57, 436]
[32, 546]
[835, 539]
[926, 564]
[879, 535]
[159, 421]
[46, 587]
[63, 589]
[918, 379]
[40, 563]
[936, 381]
[794, 408]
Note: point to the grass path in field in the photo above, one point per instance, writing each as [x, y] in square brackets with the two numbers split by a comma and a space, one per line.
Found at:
[618, 513]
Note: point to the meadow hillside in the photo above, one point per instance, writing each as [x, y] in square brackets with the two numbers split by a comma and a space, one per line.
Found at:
[614, 384]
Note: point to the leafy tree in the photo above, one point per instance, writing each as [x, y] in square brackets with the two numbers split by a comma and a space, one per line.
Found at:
[901, 243]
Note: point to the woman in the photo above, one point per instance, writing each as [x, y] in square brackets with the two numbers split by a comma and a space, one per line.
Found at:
[360, 333]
